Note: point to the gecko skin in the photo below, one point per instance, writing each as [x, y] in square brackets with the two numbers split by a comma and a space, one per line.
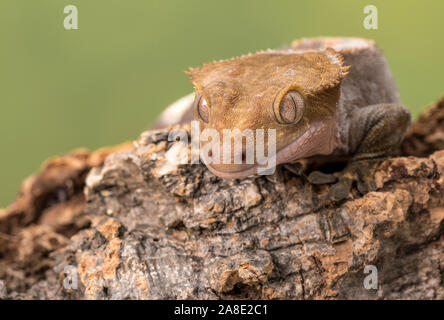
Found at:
[330, 97]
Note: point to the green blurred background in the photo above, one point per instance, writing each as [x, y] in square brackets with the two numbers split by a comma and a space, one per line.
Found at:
[106, 82]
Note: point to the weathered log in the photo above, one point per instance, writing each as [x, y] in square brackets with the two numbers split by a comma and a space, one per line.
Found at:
[147, 229]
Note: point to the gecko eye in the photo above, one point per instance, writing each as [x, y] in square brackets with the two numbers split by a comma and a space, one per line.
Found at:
[202, 109]
[290, 108]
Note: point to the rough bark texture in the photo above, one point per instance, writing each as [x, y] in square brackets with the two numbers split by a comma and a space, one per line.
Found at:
[138, 227]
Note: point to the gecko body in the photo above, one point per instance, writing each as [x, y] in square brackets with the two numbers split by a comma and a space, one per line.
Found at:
[328, 97]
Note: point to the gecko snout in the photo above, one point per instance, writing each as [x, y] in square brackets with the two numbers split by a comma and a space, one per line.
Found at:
[232, 160]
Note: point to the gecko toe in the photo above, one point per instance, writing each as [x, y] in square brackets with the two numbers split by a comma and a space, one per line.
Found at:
[317, 177]
[360, 172]
[366, 186]
[340, 190]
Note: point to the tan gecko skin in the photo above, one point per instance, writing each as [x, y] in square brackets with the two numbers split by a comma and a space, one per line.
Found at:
[242, 92]
[330, 97]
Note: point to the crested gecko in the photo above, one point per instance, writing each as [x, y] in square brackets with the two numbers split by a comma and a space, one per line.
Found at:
[325, 97]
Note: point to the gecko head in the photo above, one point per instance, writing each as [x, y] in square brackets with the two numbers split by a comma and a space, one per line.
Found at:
[289, 96]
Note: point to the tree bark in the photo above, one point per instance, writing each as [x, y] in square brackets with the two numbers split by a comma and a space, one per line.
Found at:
[134, 226]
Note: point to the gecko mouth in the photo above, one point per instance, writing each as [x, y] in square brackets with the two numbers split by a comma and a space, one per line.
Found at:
[251, 170]
[311, 142]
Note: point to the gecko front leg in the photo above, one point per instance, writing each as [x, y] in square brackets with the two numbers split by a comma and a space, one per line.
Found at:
[375, 131]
